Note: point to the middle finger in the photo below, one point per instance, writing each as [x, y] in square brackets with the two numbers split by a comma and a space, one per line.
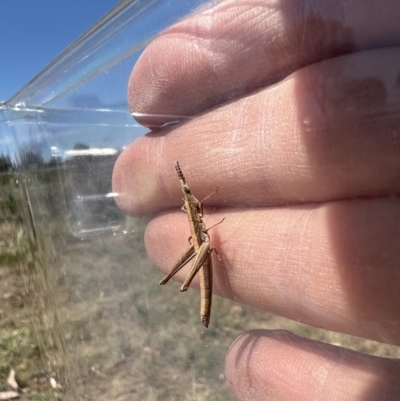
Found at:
[328, 132]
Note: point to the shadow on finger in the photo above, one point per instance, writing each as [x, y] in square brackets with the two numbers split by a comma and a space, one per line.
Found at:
[269, 365]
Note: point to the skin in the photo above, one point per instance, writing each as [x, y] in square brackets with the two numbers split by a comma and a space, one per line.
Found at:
[293, 109]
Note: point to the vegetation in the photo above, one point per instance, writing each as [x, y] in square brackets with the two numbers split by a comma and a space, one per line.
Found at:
[86, 319]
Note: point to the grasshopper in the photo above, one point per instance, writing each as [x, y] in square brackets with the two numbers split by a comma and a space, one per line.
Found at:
[199, 251]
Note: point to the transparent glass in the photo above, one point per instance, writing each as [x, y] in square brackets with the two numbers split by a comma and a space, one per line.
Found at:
[82, 314]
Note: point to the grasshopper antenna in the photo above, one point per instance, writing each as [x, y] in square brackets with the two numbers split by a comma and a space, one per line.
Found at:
[179, 172]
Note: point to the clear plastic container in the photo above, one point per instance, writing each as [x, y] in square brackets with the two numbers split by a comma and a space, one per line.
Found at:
[89, 317]
[83, 316]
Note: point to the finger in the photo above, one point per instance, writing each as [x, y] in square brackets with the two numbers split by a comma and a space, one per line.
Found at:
[238, 46]
[333, 266]
[329, 132]
[263, 365]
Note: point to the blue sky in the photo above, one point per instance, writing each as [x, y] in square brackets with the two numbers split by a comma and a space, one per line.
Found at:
[35, 32]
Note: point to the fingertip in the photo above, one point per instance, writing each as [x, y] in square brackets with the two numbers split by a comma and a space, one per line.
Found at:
[155, 88]
[157, 240]
[278, 365]
[248, 375]
[134, 183]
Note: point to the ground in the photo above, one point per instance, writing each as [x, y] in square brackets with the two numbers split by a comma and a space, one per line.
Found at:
[86, 319]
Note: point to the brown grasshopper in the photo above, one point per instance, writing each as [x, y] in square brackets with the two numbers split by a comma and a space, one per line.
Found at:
[199, 250]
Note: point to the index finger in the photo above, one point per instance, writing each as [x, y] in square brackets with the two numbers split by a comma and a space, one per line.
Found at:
[238, 46]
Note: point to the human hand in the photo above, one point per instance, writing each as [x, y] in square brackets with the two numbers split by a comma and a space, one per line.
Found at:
[293, 109]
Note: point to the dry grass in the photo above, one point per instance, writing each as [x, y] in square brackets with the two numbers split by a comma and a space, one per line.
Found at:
[91, 315]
